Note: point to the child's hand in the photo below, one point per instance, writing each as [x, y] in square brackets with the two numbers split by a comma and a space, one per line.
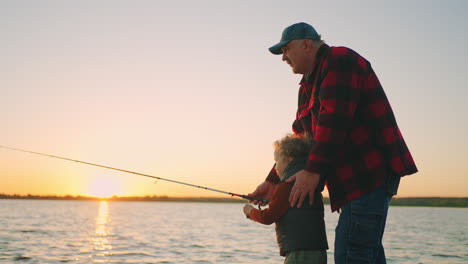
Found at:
[265, 190]
[247, 209]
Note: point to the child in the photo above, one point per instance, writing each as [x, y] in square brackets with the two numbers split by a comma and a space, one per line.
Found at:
[300, 232]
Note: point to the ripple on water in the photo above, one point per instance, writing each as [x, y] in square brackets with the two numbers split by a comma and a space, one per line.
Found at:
[21, 258]
[196, 246]
[446, 256]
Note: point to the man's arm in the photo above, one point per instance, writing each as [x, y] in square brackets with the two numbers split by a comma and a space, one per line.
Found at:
[266, 188]
[339, 95]
[273, 176]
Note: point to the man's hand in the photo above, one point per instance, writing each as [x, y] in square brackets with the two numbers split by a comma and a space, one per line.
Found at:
[306, 183]
[265, 191]
[247, 209]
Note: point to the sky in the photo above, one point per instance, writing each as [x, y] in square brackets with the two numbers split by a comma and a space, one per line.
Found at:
[187, 90]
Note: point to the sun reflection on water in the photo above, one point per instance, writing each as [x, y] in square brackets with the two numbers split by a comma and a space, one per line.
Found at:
[100, 241]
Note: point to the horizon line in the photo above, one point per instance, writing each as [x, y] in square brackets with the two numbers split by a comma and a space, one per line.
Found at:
[168, 196]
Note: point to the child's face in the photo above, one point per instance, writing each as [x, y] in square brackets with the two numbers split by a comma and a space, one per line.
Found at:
[281, 163]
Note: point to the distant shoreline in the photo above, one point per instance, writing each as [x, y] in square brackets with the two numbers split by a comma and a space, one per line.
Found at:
[457, 202]
[115, 198]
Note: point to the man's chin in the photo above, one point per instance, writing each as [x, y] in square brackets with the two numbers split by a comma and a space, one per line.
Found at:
[295, 71]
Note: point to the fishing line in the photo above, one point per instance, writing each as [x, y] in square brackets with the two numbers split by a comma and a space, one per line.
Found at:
[141, 174]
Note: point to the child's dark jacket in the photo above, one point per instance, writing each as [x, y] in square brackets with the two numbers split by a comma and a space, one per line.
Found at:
[296, 228]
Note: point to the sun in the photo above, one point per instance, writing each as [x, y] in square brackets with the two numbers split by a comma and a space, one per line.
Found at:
[104, 187]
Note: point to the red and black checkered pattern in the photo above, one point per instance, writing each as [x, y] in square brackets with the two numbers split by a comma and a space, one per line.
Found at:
[357, 142]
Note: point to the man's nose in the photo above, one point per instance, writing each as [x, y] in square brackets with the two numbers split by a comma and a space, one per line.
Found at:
[284, 57]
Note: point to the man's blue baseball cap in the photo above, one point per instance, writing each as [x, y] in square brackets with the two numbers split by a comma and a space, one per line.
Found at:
[296, 31]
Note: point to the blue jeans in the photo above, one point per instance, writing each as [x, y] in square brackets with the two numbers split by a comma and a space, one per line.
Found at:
[358, 235]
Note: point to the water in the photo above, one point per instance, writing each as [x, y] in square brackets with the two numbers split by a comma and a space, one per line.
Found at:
[38, 231]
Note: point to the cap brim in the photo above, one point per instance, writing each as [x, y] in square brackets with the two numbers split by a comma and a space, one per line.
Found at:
[276, 49]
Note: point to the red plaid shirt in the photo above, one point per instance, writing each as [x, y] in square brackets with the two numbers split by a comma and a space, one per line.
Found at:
[357, 141]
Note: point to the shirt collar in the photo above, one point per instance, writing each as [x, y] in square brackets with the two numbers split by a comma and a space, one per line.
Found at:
[318, 57]
[297, 164]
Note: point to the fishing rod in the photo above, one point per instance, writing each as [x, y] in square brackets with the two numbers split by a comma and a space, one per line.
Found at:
[142, 174]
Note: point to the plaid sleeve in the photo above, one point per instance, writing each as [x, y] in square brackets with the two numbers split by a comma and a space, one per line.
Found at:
[273, 176]
[338, 95]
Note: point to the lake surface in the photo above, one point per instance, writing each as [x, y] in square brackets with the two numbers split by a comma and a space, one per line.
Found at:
[40, 231]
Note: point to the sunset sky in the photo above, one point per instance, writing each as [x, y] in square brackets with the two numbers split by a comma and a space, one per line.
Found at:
[187, 90]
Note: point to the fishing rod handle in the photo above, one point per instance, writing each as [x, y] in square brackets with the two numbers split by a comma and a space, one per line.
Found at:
[255, 199]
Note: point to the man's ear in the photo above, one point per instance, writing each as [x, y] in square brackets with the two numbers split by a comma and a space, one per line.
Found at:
[308, 45]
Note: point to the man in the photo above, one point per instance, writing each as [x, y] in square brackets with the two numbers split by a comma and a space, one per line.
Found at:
[357, 145]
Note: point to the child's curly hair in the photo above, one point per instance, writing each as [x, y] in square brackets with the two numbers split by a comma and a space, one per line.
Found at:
[293, 145]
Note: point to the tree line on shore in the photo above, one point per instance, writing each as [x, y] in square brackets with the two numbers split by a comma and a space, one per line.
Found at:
[461, 202]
